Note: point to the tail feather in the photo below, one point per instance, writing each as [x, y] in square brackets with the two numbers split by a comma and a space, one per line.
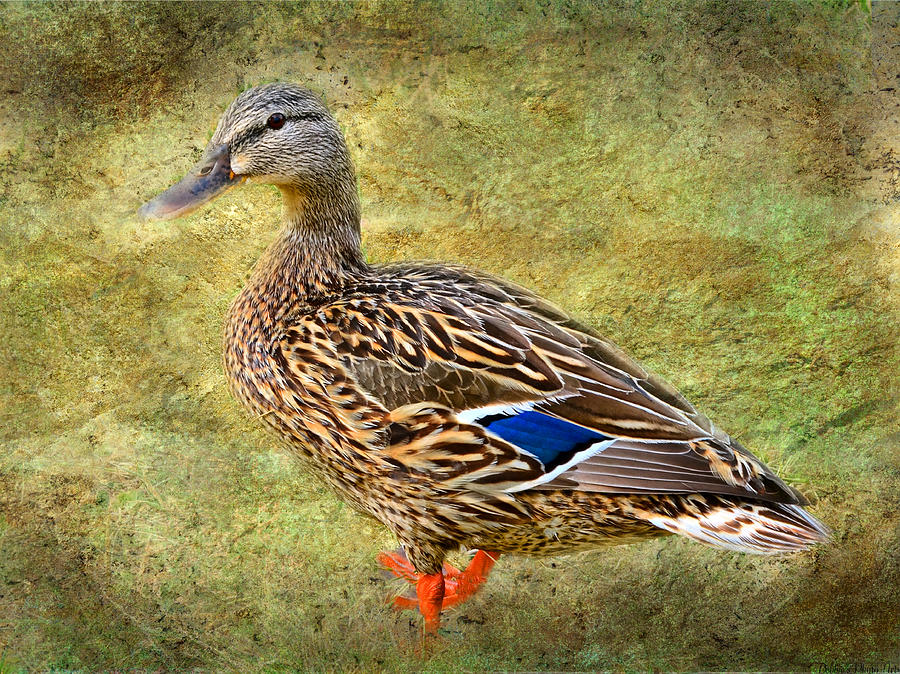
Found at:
[744, 526]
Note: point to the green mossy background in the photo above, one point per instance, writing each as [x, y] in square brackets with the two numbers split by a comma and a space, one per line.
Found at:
[714, 185]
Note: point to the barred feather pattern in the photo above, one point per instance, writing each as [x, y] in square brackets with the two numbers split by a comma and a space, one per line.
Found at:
[372, 385]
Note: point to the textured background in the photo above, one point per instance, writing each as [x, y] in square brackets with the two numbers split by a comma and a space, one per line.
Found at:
[714, 185]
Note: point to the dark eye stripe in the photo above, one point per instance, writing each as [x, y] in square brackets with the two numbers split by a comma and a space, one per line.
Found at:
[277, 120]
[252, 132]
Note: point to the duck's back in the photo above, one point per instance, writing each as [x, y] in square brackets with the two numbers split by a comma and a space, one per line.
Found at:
[537, 404]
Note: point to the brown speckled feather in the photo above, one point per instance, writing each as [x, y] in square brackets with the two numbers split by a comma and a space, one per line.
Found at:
[418, 346]
[457, 408]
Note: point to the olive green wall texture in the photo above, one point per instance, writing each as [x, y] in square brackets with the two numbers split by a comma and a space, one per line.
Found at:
[713, 185]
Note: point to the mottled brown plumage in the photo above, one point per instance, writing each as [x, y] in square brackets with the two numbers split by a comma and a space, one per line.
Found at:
[459, 409]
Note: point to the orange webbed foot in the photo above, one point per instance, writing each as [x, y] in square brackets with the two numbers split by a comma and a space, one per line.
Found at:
[461, 585]
[437, 591]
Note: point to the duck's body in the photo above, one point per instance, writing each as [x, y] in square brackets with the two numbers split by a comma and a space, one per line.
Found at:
[459, 409]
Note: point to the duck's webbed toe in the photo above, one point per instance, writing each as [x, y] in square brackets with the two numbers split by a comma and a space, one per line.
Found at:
[437, 591]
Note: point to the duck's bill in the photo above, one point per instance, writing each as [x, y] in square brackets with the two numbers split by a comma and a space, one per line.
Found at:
[208, 179]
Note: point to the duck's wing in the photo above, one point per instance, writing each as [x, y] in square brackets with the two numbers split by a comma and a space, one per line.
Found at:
[489, 379]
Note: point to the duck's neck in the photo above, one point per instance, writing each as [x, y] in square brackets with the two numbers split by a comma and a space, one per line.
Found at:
[317, 250]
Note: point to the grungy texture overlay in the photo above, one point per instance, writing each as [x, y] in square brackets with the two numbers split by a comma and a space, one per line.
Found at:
[713, 185]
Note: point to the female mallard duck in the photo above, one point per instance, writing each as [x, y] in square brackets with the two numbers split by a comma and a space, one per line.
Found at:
[459, 409]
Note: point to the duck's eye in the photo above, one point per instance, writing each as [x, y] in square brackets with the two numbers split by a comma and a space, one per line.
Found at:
[276, 121]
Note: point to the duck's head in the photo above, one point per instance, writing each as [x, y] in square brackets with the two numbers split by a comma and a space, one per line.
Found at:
[275, 133]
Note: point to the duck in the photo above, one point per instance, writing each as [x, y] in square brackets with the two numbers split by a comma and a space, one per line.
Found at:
[459, 409]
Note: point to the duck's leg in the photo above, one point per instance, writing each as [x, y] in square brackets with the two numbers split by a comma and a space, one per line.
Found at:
[460, 585]
[430, 592]
[454, 588]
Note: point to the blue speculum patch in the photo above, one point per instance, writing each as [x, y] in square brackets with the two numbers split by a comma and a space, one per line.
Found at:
[550, 439]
